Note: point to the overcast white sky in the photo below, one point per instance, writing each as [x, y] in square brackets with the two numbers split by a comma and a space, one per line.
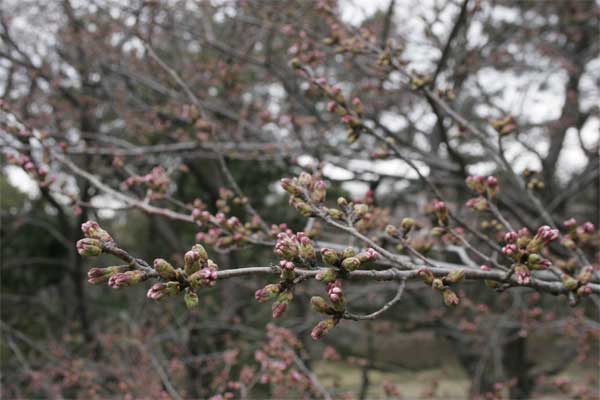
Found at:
[518, 97]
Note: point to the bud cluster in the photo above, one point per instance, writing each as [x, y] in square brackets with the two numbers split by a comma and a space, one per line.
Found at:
[584, 234]
[291, 248]
[533, 179]
[440, 210]
[344, 262]
[156, 180]
[278, 365]
[95, 237]
[102, 275]
[350, 112]
[223, 232]
[198, 270]
[39, 174]
[441, 284]
[406, 226]
[303, 190]
[295, 247]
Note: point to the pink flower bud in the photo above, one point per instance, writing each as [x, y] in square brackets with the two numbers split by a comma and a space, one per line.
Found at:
[323, 328]
[278, 309]
[510, 237]
[523, 232]
[523, 274]
[588, 227]
[89, 247]
[125, 279]
[164, 269]
[267, 293]
[330, 256]
[509, 250]
[91, 229]
[450, 298]
[491, 182]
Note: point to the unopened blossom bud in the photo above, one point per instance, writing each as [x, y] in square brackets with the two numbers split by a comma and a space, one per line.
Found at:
[583, 291]
[327, 275]
[335, 213]
[284, 264]
[320, 305]
[161, 290]
[523, 274]
[196, 214]
[351, 121]
[476, 183]
[534, 261]
[305, 179]
[280, 305]
[342, 202]
[544, 264]
[348, 252]
[334, 291]
[319, 192]
[369, 255]
[547, 234]
[491, 182]
[191, 262]
[360, 210]
[124, 279]
[323, 328]
[289, 186]
[511, 237]
[89, 247]
[586, 275]
[267, 293]
[303, 207]
[524, 241]
[306, 248]
[392, 231]
[510, 250]
[165, 270]
[203, 277]
[330, 257]
[570, 223]
[287, 270]
[569, 282]
[455, 276]
[441, 210]
[190, 298]
[450, 298]
[523, 232]
[588, 228]
[437, 284]
[351, 264]
[286, 247]
[101, 275]
[478, 204]
[426, 275]
[407, 224]
[92, 230]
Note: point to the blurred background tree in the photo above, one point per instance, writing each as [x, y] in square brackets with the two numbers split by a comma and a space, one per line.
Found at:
[206, 90]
